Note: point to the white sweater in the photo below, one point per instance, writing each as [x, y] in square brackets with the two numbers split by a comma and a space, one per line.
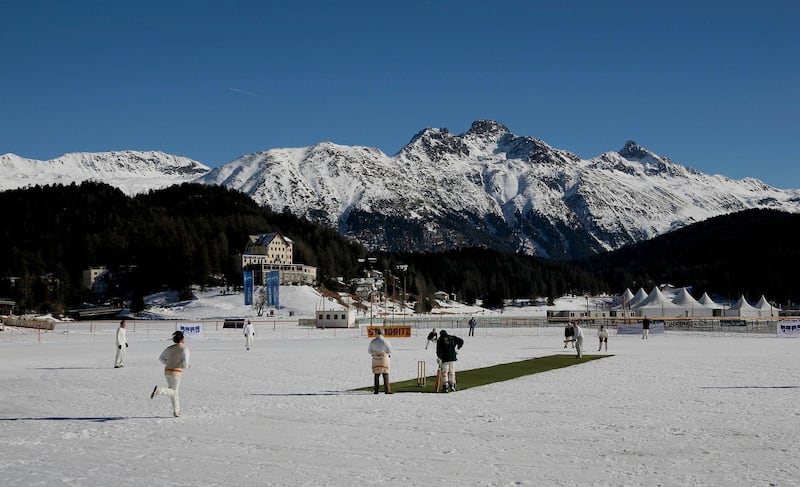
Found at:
[175, 357]
[122, 338]
[379, 345]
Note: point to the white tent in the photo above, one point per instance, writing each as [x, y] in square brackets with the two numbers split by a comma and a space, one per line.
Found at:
[764, 308]
[640, 296]
[626, 297]
[669, 291]
[657, 305]
[684, 299]
[706, 300]
[742, 309]
[691, 307]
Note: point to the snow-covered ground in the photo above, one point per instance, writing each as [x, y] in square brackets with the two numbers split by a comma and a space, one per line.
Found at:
[678, 409]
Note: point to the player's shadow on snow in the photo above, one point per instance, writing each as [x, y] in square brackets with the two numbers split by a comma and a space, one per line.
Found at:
[320, 393]
[70, 368]
[97, 419]
[547, 348]
[750, 387]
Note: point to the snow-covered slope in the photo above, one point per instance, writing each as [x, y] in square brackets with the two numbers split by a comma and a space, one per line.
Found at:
[489, 187]
[131, 171]
[486, 187]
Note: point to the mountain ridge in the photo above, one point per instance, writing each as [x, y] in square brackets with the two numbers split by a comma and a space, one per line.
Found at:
[131, 171]
[486, 187]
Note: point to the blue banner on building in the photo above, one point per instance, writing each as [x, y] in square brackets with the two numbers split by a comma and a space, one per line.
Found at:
[248, 288]
[273, 285]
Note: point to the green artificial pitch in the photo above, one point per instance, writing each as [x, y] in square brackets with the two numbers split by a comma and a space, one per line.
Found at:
[468, 379]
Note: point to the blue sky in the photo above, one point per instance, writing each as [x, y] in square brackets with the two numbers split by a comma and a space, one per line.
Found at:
[711, 85]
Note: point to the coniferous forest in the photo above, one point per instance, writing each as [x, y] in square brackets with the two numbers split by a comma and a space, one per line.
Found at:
[193, 234]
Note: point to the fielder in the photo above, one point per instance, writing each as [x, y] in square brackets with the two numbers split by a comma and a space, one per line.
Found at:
[175, 358]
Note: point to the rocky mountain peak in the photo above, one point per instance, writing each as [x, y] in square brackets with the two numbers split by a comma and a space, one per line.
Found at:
[487, 127]
[634, 151]
[436, 144]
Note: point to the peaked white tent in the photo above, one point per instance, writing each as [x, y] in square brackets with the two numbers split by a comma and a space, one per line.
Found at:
[691, 306]
[706, 300]
[626, 297]
[657, 305]
[764, 308]
[640, 296]
[683, 298]
[669, 291]
[742, 309]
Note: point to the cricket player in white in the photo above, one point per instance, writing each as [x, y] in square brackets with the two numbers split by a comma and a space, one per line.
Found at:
[122, 346]
[381, 350]
[175, 358]
[578, 340]
[249, 333]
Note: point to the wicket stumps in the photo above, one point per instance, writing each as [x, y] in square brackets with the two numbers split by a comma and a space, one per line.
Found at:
[421, 375]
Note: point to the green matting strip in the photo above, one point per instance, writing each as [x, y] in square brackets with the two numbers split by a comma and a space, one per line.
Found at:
[467, 379]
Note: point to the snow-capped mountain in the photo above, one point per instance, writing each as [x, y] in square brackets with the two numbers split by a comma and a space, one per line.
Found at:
[486, 187]
[131, 171]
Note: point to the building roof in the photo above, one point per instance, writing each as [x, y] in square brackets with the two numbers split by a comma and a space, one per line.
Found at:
[267, 238]
[263, 238]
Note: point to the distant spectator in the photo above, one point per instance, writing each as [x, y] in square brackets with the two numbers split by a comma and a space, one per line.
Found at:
[602, 335]
[472, 324]
[645, 328]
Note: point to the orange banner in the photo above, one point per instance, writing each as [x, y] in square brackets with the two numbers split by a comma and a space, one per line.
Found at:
[390, 331]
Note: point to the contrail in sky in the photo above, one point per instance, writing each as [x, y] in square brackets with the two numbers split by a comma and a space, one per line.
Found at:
[247, 93]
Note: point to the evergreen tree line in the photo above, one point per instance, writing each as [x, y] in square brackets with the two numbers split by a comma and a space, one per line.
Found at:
[493, 277]
[166, 239]
[193, 234]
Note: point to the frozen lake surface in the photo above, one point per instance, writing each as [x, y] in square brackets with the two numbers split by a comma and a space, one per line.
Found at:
[678, 409]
